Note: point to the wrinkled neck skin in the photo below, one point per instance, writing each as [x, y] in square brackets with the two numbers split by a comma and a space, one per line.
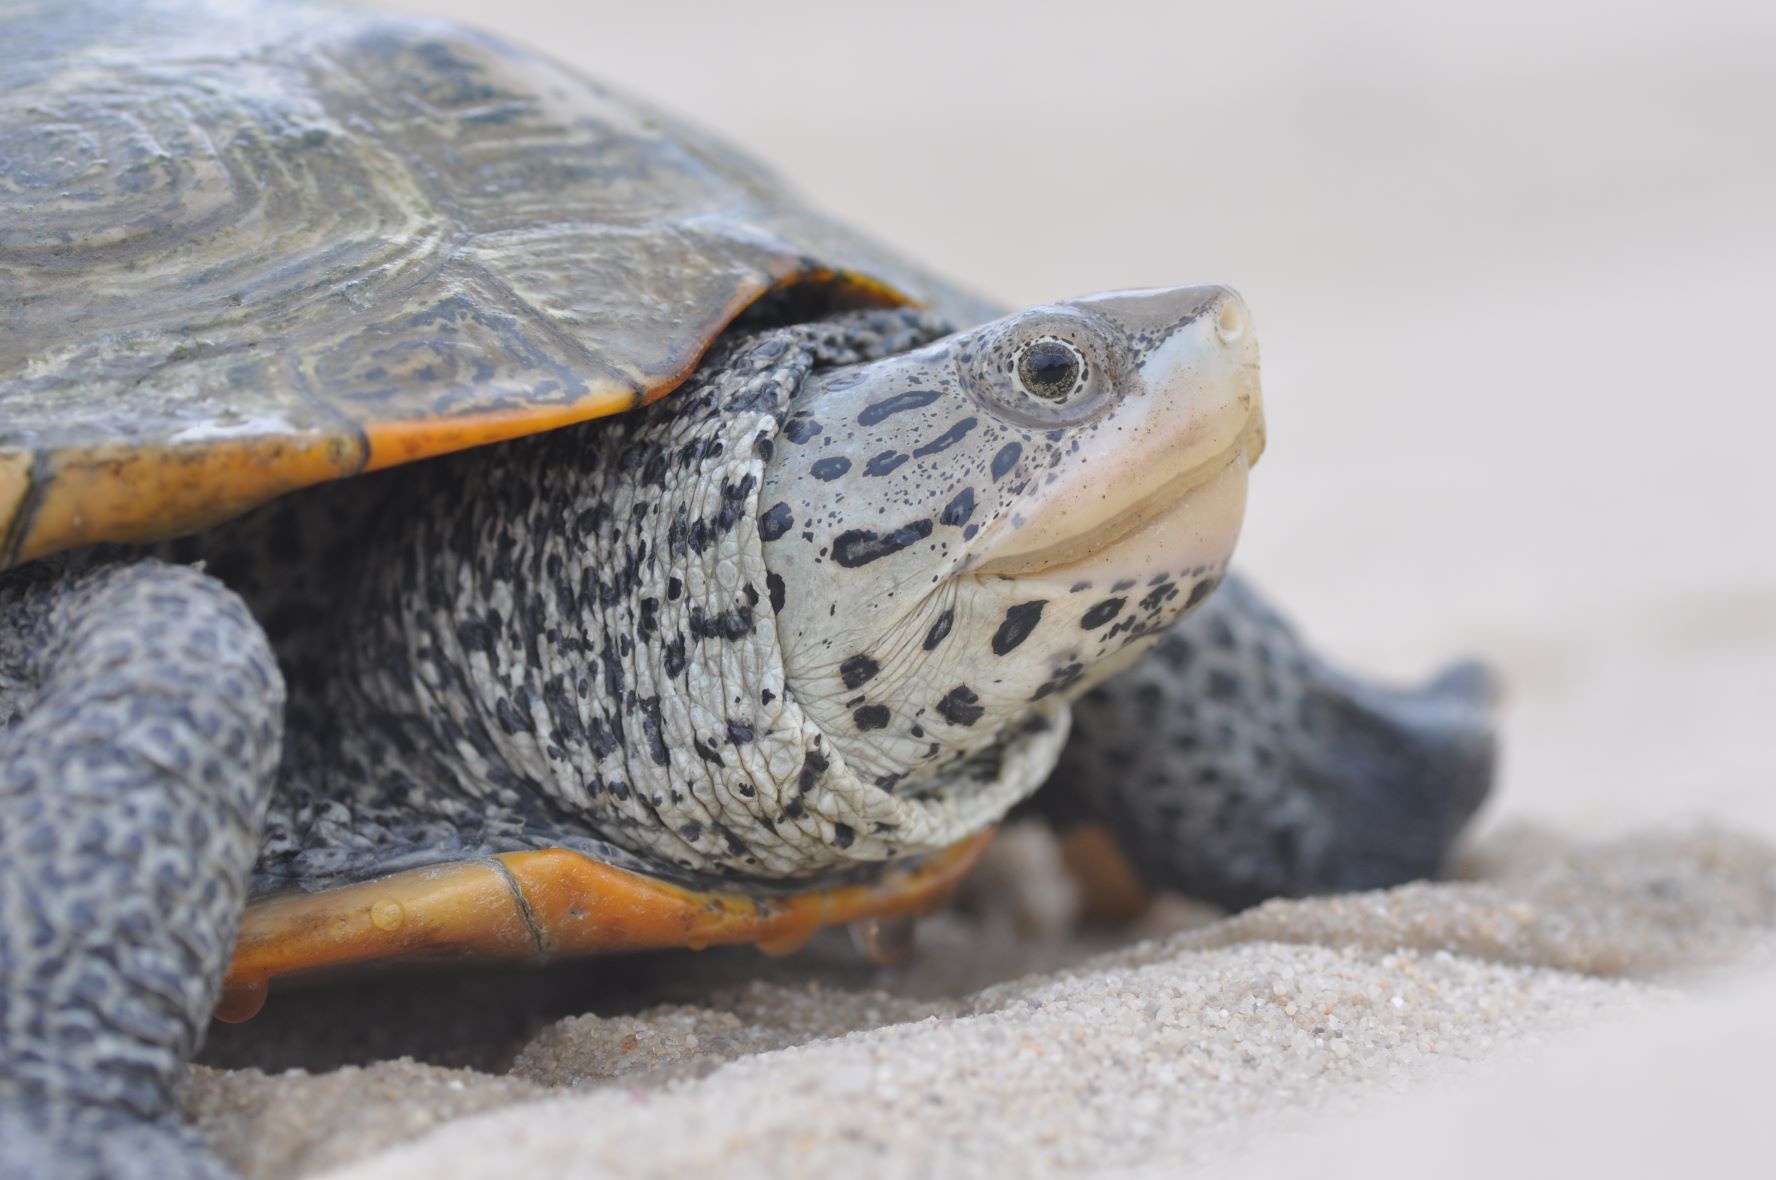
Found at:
[588, 618]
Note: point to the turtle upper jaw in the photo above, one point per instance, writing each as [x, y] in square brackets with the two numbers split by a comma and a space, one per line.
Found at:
[1160, 485]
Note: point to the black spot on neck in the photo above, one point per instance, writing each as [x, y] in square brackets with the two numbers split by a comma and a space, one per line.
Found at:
[871, 717]
[940, 630]
[960, 706]
[1020, 620]
[776, 521]
[856, 547]
[858, 670]
[831, 467]
[1102, 613]
[813, 766]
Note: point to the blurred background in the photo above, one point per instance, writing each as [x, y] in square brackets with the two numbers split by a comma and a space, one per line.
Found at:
[1514, 268]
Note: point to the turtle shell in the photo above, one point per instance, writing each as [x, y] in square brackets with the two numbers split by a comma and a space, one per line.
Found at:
[248, 247]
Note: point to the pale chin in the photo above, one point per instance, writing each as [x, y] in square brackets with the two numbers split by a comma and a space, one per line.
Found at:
[1198, 531]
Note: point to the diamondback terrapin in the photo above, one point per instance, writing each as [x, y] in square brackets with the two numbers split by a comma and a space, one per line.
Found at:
[771, 652]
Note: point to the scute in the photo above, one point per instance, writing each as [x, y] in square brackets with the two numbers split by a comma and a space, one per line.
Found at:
[246, 247]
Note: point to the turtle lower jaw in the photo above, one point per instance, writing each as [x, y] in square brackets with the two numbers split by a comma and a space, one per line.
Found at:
[1191, 522]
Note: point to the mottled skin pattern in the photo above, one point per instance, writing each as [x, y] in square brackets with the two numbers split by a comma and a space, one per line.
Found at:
[141, 711]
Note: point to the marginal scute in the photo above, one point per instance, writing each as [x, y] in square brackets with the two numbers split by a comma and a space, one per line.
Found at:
[534, 907]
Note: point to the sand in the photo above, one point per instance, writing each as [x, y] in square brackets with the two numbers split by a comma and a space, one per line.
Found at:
[1184, 1049]
[1510, 268]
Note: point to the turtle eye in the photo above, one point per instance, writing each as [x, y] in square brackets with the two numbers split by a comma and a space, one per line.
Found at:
[1049, 369]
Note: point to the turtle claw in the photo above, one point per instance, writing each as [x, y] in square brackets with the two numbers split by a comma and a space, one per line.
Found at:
[885, 941]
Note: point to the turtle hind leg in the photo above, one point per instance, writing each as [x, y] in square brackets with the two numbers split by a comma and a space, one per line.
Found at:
[140, 721]
[1233, 764]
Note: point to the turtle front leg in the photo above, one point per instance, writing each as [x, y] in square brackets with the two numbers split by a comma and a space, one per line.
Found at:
[1233, 764]
[140, 724]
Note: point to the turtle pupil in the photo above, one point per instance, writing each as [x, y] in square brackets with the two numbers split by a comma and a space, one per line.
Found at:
[1049, 369]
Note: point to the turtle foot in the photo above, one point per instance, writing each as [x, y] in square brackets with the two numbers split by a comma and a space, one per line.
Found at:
[1234, 764]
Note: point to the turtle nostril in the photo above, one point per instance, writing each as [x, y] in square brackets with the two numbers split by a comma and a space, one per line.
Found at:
[1231, 323]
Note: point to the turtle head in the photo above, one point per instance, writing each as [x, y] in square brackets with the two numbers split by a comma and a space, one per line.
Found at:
[958, 533]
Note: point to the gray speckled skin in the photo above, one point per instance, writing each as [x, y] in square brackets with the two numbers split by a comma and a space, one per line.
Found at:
[140, 711]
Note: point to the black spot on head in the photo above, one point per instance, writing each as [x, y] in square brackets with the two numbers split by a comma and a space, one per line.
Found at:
[958, 510]
[884, 463]
[960, 706]
[739, 733]
[800, 428]
[831, 467]
[947, 439]
[1020, 620]
[858, 670]
[871, 717]
[774, 585]
[1102, 613]
[1006, 459]
[776, 521]
[856, 547]
[940, 629]
[912, 399]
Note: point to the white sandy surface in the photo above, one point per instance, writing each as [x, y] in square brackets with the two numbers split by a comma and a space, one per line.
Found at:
[1512, 269]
